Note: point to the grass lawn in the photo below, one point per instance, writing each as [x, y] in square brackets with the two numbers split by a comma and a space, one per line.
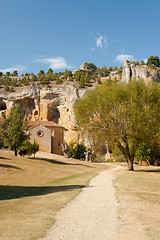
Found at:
[140, 190]
[33, 190]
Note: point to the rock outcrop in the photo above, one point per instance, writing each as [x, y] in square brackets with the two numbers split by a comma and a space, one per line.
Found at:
[132, 71]
[85, 67]
[88, 66]
[46, 104]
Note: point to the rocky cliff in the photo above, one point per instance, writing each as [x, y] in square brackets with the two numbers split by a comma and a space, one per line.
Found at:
[132, 71]
[52, 104]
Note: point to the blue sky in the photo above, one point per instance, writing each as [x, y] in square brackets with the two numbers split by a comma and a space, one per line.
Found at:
[39, 34]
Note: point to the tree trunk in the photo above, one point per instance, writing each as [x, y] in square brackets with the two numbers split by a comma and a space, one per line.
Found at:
[130, 165]
[128, 156]
[15, 151]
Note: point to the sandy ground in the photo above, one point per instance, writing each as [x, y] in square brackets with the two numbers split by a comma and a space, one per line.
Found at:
[94, 215]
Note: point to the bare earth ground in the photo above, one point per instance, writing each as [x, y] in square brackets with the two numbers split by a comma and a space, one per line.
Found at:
[94, 215]
[139, 195]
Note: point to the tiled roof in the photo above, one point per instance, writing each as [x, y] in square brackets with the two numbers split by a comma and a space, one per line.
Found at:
[43, 123]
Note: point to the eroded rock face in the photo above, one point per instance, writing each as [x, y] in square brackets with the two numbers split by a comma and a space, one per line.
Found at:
[132, 71]
[47, 104]
[88, 66]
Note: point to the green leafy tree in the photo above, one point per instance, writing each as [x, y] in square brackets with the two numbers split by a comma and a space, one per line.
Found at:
[50, 71]
[28, 148]
[115, 68]
[143, 154]
[126, 115]
[87, 77]
[35, 147]
[33, 77]
[142, 62]
[104, 69]
[77, 150]
[67, 74]
[1, 73]
[14, 129]
[78, 76]
[110, 69]
[15, 73]
[8, 74]
[153, 60]
[82, 82]
[41, 72]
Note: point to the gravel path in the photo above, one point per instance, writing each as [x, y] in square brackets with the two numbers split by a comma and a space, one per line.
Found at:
[92, 215]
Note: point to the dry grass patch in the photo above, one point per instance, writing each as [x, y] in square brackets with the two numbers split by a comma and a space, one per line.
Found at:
[33, 190]
[139, 192]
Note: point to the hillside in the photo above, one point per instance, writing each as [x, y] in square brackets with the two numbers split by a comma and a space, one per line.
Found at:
[51, 96]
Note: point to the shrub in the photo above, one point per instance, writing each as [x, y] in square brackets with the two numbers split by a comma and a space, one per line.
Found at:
[119, 158]
[77, 150]
[28, 148]
[149, 153]
[59, 81]
[97, 157]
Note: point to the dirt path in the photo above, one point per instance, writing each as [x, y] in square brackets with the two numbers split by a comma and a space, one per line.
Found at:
[95, 214]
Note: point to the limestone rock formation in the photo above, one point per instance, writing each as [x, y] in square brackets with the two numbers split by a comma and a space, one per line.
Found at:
[85, 67]
[88, 66]
[46, 104]
[132, 71]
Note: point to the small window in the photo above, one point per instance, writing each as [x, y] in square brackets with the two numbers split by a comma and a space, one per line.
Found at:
[40, 133]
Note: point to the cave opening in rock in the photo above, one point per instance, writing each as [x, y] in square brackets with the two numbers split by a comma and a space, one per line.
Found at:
[2, 105]
[53, 114]
[27, 105]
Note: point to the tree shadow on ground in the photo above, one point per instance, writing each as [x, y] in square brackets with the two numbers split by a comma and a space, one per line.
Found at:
[63, 163]
[148, 170]
[13, 192]
[5, 158]
[9, 166]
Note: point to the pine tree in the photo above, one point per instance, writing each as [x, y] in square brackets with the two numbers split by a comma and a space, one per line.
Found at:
[14, 129]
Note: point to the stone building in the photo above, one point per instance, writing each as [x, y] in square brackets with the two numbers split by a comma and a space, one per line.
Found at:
[48, 135]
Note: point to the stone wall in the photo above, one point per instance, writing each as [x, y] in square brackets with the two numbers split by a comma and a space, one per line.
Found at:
[44, 139]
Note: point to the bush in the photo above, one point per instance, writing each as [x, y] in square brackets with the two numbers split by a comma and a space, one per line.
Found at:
[119, 158]
[97, 158]
[28, 148]
[77, 150]
[149, 153]
[59, 81]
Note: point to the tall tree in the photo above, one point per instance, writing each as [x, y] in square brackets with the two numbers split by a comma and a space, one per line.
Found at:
[41, 72]
[14, 129]
[153, 61]
[50, 71]
[8, 74]
[15, 73]
[126, 115]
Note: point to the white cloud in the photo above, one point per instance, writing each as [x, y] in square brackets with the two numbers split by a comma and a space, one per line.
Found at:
[18, 68]
[101, 41]
[54, 63]
[122, 57]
